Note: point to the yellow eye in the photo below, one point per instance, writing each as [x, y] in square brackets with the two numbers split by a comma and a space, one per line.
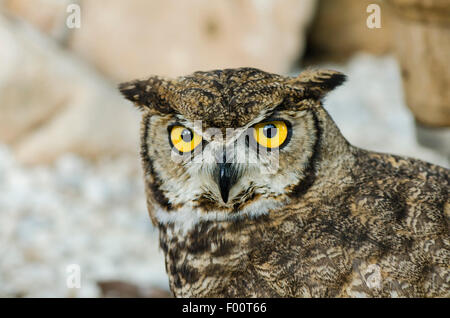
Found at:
[184, 139]
[272, 134]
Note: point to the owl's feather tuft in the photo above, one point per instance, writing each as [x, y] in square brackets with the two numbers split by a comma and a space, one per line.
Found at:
[148, 95]
[319, 82]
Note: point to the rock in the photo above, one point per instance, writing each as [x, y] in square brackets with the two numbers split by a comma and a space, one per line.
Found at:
[422, 30]
[48, 16]
[52, 103]
[133, 39]
[339, 30]
[434, 11]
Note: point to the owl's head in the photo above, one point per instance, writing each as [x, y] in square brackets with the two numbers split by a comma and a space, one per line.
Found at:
[228, 143]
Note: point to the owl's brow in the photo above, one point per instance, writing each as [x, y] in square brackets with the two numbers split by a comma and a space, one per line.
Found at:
[274, 113]
[270, 114]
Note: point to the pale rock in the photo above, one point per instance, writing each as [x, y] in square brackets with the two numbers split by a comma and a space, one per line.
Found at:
[48, 16]
[134, 39]
[52, 103]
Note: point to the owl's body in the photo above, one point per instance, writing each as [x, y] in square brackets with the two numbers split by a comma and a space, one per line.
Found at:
[312, 217]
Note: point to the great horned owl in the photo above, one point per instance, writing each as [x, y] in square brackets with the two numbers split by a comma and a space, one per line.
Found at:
[257, 194]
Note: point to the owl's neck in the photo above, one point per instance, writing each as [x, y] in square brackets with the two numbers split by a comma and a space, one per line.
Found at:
[211, 252]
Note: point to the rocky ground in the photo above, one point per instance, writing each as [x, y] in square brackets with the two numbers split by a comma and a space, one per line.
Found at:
[74, 212]
[93, 214]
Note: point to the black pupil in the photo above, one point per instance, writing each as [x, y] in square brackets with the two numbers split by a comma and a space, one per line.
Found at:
[270, 130]
[187, 135]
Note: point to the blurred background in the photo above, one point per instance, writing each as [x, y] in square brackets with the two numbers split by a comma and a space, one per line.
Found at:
[71, 189]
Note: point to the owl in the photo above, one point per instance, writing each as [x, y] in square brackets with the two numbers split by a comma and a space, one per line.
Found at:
[256, 193]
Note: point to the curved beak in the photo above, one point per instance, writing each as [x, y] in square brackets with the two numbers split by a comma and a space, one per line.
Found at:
[226, 177]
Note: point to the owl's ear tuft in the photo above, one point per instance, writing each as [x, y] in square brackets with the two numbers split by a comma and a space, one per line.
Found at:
[319, 82]
[152, 94]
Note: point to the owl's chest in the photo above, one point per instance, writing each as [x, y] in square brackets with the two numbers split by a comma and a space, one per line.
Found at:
[268, 263]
